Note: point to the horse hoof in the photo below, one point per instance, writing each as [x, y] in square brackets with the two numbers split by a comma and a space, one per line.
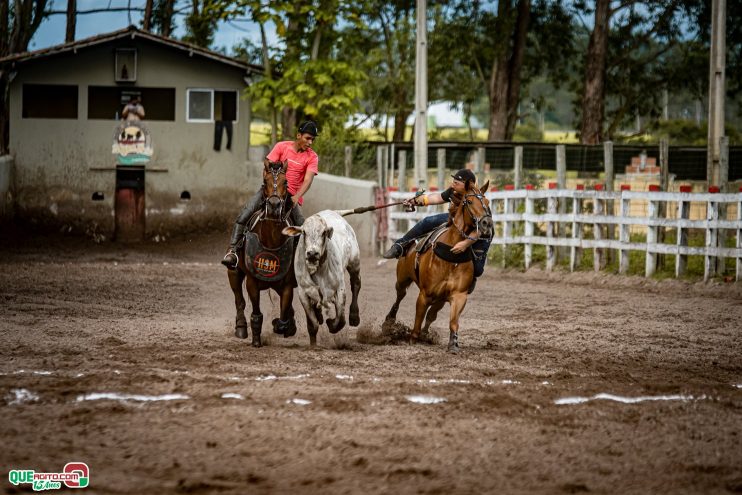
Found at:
[257, 343]
[276, 328]
[291, 330]
[453, 349]
[240, 332]
[354, 319]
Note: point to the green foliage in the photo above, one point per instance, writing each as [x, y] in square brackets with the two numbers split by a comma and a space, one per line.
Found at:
[527, 133]
[685, 132]
[330, 146]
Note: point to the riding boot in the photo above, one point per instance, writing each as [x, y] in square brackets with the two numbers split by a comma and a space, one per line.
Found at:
[395, 251]
[473, 284]
[231, 259]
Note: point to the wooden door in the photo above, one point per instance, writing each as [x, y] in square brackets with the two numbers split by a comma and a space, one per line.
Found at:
[129, 209]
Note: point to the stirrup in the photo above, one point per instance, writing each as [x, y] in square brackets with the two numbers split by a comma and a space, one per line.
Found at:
[229, 265]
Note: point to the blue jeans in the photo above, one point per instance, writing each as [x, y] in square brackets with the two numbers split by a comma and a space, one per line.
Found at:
[428, 224]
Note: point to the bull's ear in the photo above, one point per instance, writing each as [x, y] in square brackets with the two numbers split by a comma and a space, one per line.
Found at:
[292, 231]
[485, 187]
[328, 232]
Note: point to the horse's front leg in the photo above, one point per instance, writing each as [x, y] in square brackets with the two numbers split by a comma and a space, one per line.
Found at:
[286, 324]
[236, 278]
[421, 307]
[256, 318]
[458, 302]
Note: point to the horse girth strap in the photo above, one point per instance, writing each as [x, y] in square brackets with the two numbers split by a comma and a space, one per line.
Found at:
[268, 264]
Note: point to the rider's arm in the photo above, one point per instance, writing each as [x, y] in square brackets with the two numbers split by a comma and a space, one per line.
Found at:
[461, 246]
[429, 199]
[308, 178]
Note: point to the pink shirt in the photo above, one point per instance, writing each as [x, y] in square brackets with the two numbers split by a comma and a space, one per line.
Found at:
[299, 164]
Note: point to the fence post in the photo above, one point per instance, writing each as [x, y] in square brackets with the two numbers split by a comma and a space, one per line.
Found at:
[664, 186]
[610, 176]
[528, 248]
[650, 264]
[390, 161]
[598, 255]
[681, 260]
[739, 239]
[561, 164]
[721, 263]
[479, 165]
[518, 167]
[402, 170]
[507, 208]
[712, 240]
[550, 248]
[624, 235]
[380, 165]
[348, 160]
[575, 252]
[441, 162]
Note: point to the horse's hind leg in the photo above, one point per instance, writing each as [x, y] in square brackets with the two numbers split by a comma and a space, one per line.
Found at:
[354, 269]
[458, 302]
[401, 287]
[236, 277]
[432, 315]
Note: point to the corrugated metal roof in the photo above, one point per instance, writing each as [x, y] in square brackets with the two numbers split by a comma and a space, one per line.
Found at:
[133, 32]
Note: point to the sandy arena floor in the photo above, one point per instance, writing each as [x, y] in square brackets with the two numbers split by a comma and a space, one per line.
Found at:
[78, 318]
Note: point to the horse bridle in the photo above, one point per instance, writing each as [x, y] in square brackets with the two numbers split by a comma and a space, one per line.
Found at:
[275, 172]
[487, 212]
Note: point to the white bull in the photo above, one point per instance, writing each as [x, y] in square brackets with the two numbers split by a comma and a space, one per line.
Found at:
[327, 247]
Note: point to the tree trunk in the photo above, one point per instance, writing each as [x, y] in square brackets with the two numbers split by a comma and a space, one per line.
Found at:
[167, 18]
[147, 21]
[593, 99]
[505, 80]
[71, 21]
[516, 64]
[400, 120]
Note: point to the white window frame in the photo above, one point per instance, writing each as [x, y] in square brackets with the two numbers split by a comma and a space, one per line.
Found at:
[211, 91]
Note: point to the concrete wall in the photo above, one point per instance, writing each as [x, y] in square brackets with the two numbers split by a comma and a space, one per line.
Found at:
[331, 192]
[6, 193]
[55, 158]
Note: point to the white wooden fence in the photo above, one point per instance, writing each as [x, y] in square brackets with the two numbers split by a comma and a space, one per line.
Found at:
[516, 220]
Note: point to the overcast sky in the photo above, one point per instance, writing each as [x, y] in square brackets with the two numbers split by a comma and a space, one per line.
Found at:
[51, 32]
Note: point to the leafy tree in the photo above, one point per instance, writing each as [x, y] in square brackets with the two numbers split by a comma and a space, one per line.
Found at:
[627, 43]
[496, 50]
[18, 23]
[304, 78]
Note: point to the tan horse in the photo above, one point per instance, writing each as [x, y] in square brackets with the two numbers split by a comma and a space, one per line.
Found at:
[442, 281]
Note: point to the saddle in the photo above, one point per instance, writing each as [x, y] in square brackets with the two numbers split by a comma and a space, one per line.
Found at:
[440, 249]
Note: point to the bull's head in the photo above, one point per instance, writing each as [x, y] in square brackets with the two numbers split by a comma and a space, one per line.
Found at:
[316, 234]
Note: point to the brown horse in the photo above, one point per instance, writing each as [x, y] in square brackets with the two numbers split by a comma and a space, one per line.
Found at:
[265, 259]
[442, 281]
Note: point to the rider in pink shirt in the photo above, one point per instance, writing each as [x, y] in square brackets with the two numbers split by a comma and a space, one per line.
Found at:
[302, 167]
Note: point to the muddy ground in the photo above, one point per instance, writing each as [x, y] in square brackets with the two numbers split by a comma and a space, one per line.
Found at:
[78, 318]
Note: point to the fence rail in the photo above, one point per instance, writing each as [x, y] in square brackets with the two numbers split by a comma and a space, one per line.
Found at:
[607, 215]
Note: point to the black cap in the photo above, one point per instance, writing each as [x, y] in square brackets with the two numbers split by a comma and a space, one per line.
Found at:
[308, 127]
[464, 175]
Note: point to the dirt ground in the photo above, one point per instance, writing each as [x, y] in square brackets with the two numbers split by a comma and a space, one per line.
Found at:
[78, 318]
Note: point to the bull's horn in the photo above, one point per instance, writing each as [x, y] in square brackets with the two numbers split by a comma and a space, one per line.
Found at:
[344, 213]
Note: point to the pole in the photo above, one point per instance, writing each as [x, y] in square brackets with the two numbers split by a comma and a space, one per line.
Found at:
[421, 98]
[717, 62]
